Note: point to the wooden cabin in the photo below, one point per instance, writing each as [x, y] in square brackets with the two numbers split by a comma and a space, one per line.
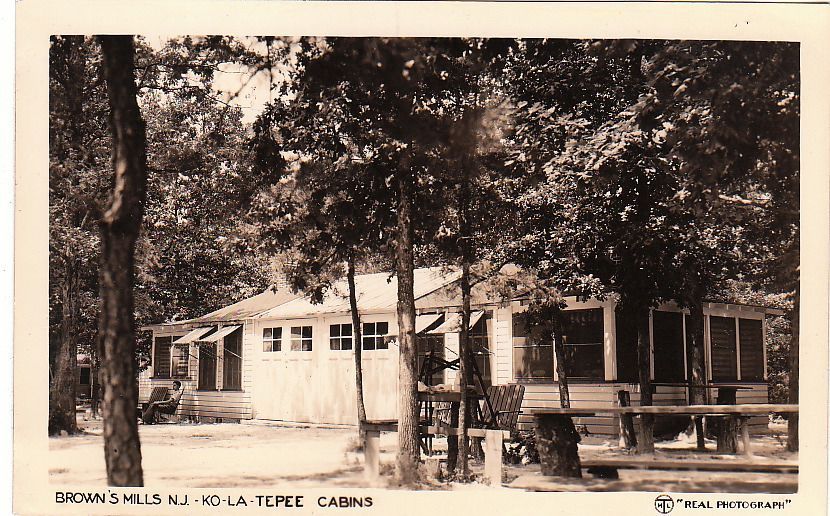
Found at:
[278, 357]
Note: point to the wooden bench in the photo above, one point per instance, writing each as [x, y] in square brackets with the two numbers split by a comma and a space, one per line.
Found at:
[607, 467]
[493, 440]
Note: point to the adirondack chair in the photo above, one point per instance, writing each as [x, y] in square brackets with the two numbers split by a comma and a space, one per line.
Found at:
[157, 394]
[502, 411]
[170, 416]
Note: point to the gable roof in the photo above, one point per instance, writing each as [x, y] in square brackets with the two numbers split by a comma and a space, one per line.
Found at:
[375, 293]
[247, 308]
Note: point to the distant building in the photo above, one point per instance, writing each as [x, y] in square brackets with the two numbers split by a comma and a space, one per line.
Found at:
[276, 356]
[83, 377]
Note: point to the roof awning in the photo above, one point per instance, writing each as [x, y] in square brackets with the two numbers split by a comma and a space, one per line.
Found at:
[219, 335]
[453, 322]
[422, 322]
[193, 335]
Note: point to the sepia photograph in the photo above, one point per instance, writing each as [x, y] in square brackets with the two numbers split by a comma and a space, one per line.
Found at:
[539, 263]
[314, 271]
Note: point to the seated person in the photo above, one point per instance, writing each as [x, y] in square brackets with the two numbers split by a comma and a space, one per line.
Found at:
[167, 406]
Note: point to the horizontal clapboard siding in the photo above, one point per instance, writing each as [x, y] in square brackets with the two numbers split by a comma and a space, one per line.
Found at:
[212, 404]
[546, 395]
[758, 394]
[603, 395]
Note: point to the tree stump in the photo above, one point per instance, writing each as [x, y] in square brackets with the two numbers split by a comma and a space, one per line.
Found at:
[645, 438]
[727, 428]
[556, 441]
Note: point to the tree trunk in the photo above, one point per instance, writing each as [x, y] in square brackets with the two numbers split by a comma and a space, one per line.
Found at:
[697, 366]
[119, 230]
[408, 451]
[559, 351]
[464, 372]
[792, 422]
[645, 441]
[95, 388]
[358, 351]
[62, 416]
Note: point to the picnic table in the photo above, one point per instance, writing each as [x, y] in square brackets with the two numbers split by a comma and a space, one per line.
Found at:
[557, 438]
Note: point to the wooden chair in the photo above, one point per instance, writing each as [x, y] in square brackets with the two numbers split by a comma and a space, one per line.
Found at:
[170, 416]
[505, 404]
[157, 394]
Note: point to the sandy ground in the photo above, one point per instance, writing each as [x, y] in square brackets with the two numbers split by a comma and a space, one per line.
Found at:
[251, 455]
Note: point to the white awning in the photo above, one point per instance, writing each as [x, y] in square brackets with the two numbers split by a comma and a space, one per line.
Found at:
[219, 335]
[453, 322]
[423, 322]
[193, 335]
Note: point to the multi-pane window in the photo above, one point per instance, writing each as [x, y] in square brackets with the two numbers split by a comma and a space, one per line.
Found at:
[340, 337]
[532, 354]
[271, 339]
[180, 356]
[375, 335]
[583, 338]
[301, 338]
[480, 345]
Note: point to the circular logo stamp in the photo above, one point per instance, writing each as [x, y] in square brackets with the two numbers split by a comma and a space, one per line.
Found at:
[664, 504]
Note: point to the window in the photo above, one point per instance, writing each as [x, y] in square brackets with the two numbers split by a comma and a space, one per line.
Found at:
[340, 337]
[271, 339]
[626, 344]
[207, 366]
[433, 344]
[480, 345]
[301, 338]
[668, 346]
[723, 348]
[532, 354]
[85, 376]
[232, 359]
[161, 358]
[180, 358]
[583, 338]
[751, 336]
[374, 335]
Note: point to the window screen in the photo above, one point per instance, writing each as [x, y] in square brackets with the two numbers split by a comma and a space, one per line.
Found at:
[532, 353]
[724, 357]
[232, 358]
[752, 349]
[668, 346]
[583, 339]
[161, 359]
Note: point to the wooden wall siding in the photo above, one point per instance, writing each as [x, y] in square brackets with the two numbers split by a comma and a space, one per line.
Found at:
[451, 341]
[599, 395]
[214, 404]
[503, 347]
[318, 386]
